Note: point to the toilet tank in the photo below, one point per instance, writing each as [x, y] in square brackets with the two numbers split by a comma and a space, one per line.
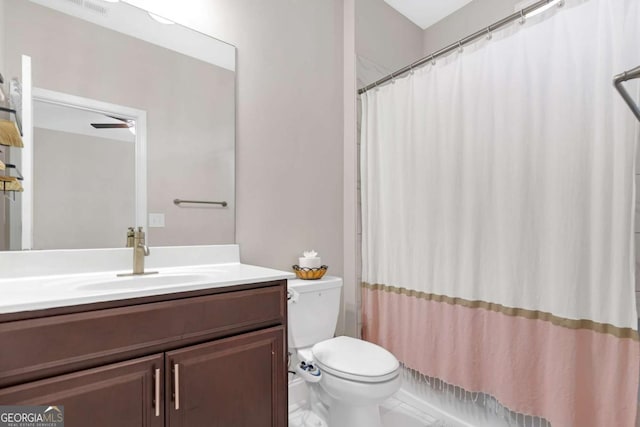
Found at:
[313, 310]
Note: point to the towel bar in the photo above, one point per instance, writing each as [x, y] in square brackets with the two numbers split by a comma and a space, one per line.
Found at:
[178, 202]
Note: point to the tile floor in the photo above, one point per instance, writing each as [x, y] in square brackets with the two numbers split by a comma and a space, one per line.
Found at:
[395, 413]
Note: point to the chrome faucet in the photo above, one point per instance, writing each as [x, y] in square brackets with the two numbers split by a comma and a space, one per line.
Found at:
[136, 240]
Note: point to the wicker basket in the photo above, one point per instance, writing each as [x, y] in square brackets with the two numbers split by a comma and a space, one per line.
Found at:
[306, 273]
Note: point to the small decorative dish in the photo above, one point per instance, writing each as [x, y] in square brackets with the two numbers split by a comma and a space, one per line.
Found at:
[306, 273]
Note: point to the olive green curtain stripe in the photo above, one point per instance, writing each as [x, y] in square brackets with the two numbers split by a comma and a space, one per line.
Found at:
[603, 328]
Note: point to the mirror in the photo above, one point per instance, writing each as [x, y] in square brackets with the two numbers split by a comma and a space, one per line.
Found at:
[122, 113]
[102, 138]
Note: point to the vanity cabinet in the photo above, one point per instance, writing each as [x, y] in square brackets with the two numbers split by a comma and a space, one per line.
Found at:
[214, 358]
[121, 394]
[211, 384]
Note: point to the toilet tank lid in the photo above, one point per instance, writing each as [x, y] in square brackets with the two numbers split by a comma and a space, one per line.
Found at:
[355, 357]
[327, 282]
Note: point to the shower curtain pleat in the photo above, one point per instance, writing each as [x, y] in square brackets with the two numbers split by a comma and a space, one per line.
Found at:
[497, 216]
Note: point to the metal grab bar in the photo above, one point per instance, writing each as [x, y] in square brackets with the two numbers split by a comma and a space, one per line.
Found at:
[621, 78]
[178, 202]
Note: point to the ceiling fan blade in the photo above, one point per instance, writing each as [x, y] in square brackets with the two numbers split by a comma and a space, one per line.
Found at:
[119, 118]
[111, 125]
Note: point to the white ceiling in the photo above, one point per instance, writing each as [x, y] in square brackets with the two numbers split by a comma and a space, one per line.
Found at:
[425, 13]
[75, 120]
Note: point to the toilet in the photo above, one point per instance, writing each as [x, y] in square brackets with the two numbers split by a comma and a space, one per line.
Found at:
[352, 376]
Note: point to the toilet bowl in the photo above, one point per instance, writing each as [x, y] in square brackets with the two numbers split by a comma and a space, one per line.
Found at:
[354, 376]
[357, 376]
[356, 404]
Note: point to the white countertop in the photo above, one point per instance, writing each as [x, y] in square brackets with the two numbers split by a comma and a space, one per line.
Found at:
[50, 291]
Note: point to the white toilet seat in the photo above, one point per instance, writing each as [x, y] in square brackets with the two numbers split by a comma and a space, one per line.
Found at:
[355, 360]
[358, 378]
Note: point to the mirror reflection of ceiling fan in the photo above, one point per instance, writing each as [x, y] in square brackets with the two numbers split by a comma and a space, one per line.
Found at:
[126, 124]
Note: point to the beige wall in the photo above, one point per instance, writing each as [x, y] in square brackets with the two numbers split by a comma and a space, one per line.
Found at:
[473, 17]
[189, 104]
[67, 213]
[290, 112]
[289, 152]
[385, 40]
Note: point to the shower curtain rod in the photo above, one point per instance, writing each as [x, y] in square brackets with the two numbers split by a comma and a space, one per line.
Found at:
[522, 14]
[621, 78]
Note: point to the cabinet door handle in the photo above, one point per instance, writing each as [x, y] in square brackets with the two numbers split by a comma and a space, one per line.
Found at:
[157, 392]
[176, 385]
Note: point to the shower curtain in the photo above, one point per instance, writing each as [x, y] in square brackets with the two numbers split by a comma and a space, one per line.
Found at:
[497, 209]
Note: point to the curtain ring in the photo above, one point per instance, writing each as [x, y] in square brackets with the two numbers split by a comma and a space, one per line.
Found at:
[460, 49]
[433, 61]
[411, 69]
[523, 18]
[393, 78]
[489, 35]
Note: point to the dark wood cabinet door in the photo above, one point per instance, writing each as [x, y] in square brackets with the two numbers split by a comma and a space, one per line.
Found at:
[232, 382]
[122, 394]
[57, 345]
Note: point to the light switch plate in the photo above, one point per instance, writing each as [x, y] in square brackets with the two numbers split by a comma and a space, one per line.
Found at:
[156, 220]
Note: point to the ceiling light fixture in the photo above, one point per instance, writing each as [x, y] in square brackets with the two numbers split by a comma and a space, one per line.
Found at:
[160, 19]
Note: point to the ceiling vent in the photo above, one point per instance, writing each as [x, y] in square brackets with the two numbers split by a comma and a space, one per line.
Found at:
[89, 5]
[95, 7]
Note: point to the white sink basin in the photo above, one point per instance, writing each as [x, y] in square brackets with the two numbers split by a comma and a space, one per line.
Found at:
[143, 282]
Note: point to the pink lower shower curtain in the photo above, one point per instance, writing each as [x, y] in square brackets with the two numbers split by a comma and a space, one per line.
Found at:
[497, 215]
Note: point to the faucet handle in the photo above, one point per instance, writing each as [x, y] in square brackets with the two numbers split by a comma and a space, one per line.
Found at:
[130, 236]
[139, 233]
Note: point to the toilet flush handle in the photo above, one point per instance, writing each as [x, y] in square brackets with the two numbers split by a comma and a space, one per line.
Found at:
[292, 296]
